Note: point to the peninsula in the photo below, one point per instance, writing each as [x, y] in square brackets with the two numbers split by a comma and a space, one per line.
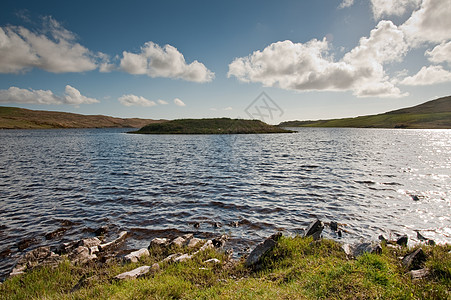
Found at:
[434, 114]
[211, 126]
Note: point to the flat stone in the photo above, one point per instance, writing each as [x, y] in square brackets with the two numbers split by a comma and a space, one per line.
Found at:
[81, 255]
[208, 245]
[188, 236]
[259, 251]
[212, 261]
[414, 260]
[359, 249]
[182, 258]
[135, 273]
[136, 255]
[193, 242]
[41, 256]
[90, 242]
[172, 257]
[120, 239]
[419, 274]
[314, 229]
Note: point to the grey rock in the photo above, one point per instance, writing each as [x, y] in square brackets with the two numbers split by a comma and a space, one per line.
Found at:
[114, 243]
[259, 251]
[359, 249]
[136, 255]
[419, 274]
[314, 229]
[333, 225]
[81, 255]
[90, 242]
[158, 242]
[212, 261]
[402, 241]
[179, 241]
[41, 256]
[172, 257]
[101, 230]
[414, 260]
[182, 258]
[193, 242]
[208, 245]
[135, 273]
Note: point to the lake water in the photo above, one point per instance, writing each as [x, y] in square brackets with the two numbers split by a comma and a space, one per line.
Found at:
[371, 181]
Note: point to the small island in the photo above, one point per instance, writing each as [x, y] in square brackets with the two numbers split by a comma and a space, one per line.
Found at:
[211, 126]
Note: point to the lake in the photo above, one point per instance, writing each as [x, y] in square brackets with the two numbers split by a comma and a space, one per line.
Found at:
[370, 181]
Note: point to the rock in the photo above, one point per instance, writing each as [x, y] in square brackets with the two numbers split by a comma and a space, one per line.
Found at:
[402, 241]
[196, 225]
[67, 247]
[193, 242]
[136, 255]
[259, 251]
[81, 255]
[208, 245]
[138, 272]
[359, 249]
[5, 252]
[188, 236]
[172, 257]
[415, 197]
[56, 233]
[424, 239]
[220, 242]
[182, 258]
[414, 260]
[41, 256]
[24, 244]
[101, 230]
[382, 238]
[179, 241]
[212, 261]
[314, 229]
[120, 239]
[158, 242]
[334, 226]
[90, 242]
[419, 274]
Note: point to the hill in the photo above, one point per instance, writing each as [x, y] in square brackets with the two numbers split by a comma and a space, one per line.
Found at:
[434, 114]
[211, 126]
[19, 118]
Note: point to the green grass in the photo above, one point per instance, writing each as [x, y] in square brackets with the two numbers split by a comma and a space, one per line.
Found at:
[211, 126]
[297, 268]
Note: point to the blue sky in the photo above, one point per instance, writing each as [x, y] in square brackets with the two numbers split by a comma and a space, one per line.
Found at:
[178, 59]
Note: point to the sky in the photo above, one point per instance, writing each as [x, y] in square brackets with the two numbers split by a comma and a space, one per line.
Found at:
[271, 60]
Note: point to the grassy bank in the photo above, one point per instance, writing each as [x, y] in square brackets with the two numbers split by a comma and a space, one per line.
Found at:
[211, 126]
[296, 268]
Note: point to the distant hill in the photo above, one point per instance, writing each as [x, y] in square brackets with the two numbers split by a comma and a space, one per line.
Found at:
[211, 126]
[19, 118]
[434, 114]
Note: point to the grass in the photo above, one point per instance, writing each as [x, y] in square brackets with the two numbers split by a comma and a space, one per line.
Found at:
[297, 268]
[211, 126]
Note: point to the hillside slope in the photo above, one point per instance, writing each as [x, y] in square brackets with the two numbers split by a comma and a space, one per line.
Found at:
[434, 114]
[19, 118]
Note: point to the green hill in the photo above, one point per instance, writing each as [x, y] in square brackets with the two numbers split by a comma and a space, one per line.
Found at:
[434, 114]
[210, 126]
[19, 118]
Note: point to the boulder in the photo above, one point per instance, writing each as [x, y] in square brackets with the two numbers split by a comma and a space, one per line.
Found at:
[419, 274]
[158, 242]
[90, 242]
[182, 258]
[208, 245]
[81, 255]
[136, 255]
[219, 242]
[414, 260]
[402, 241]
[179, 241]
[314, 229]
[101, 230]
[334, 226]
[193, 242]
[41, 256]
[359, 249]
[135, 273]
[260, 250]
[120, 239]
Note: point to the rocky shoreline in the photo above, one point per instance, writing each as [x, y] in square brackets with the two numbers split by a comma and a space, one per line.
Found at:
[99, 250]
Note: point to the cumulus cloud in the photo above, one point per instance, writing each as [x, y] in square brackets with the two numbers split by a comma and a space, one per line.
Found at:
[382, 8]
[162, 102]
[132, 100]
[427, 76]
[29, 96]
[310, 66]
[441, 53]
[53, 49]
[430, 23]
[167, 61]
[179, 102]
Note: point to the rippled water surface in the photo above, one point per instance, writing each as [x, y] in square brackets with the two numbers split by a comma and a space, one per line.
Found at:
[372, 181]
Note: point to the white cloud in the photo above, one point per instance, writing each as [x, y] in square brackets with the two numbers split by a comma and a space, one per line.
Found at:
[162, 102]
[168, 62]
[431, 23]
[382, 8]
[179, 102]
[228, 108]
[309, 66]
[53, 50]
[29, 96]
[346, 3]
[132, 100]
[428, 76]
[441, 53]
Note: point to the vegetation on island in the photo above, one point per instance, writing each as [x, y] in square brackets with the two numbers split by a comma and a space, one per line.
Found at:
[211, 126]
[435, 114]
[296, 268]
[19, 118]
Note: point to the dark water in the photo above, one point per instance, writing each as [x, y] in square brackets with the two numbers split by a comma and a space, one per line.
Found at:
[155, 185]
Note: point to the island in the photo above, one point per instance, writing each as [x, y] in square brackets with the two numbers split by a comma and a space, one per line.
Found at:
[211, 126]
[434, 114]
